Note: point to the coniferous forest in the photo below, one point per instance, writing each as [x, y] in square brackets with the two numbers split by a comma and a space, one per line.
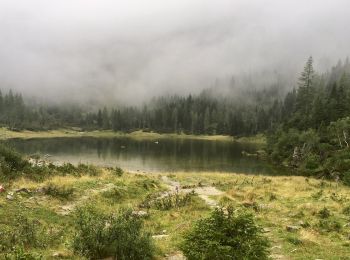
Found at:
[307, 129]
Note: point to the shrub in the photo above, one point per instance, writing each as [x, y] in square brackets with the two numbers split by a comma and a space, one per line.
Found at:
[169, 201]
[99, 235]
[294, 240]
[60, 192]
[23, 231]
[116, 194]
[175, 200]
[330, 225]
[11, 163]
[118, 171]
[225, 235]
[88, 169]
[324, 213]
[346, 210]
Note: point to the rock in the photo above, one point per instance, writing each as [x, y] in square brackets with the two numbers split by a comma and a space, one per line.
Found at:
[140, 213]
[9, 197]
[292, 228]
[266, 230]
[303, 224]
[22, 190]
[160, 236]
[164, 231]
[57, 254]
[41, 190]
[176, 256]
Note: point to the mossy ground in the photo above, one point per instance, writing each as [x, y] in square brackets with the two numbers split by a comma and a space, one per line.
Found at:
[277, 202]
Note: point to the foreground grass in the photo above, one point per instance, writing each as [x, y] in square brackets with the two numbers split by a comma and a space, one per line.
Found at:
[315, 212]
[140, 135]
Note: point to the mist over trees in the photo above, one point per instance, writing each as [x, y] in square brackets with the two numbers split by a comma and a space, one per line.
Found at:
[318, 100]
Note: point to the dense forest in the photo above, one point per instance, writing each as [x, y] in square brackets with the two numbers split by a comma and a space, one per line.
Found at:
[304, 128]
[201, 114]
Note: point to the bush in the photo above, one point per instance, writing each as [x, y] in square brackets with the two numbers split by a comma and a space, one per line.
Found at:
[346, 210]
[11, 163]
[60, 192]
[23, 231]
[81, 169]
[225, 235]
[324, 213]
[88, 169]
[100, 235]
[330, 225]
[117, 171]
[168, 201]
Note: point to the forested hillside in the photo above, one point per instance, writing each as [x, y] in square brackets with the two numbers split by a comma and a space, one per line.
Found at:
[313, 134]
[202, 114]
[317, 101]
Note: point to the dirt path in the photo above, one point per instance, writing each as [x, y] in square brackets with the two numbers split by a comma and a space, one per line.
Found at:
[68, 208]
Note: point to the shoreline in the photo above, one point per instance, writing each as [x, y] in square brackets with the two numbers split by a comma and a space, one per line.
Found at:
[6, 134]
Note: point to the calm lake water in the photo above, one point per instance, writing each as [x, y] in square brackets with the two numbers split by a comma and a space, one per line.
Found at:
[166, 155]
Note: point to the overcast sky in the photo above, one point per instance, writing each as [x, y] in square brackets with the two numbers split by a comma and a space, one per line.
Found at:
[134, 49]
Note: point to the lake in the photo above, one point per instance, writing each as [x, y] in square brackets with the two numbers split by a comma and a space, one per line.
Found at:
[164, 155]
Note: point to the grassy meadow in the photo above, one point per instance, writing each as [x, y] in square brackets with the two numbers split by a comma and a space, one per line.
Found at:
[303, 218]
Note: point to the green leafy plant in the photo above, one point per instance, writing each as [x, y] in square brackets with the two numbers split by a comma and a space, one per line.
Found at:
[99, 235]
[225, 234]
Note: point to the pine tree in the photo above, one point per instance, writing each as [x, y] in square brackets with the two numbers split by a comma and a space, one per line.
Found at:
[305, 93]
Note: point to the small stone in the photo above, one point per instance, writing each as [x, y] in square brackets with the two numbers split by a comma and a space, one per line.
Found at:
[266, 230]
[57, 254]
[292, 228]
[9, 197]
[303, 224]
[164, 231]
[160, 236]
[140, 213]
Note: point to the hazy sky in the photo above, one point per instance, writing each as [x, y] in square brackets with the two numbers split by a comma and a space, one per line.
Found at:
[131, 49]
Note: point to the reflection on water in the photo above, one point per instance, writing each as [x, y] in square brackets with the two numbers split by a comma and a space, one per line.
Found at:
[147, 155]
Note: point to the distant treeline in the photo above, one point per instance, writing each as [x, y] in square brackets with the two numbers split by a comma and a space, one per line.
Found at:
[201, 114]
[307, 129]
[319, 100]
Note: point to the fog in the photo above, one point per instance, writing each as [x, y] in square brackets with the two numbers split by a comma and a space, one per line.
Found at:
[128, 51]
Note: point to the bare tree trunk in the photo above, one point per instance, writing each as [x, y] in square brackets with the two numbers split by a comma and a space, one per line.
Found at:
[341, 145]
[345, 138]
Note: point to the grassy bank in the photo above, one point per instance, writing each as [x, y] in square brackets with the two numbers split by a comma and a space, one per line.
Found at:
[25, 134]
[303, 218]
